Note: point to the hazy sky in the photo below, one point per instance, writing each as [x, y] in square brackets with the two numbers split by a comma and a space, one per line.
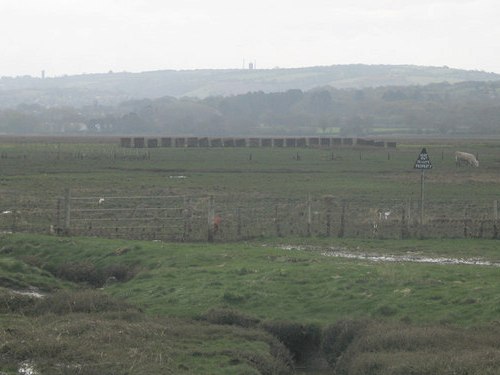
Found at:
[89, 36]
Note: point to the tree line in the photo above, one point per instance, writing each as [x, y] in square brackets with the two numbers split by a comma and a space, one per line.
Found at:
[439, 108]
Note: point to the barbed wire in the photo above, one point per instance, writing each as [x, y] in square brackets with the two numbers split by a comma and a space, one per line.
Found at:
[191, 217]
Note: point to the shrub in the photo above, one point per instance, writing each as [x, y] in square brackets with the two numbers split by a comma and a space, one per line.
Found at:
[80, 272]
[298, 338]
[121, 272]
[89, 273]
[6, 250]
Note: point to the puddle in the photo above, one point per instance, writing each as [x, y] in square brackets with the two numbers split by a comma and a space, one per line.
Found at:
[345, 253]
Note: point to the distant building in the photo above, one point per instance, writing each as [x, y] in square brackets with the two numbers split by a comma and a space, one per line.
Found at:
[250, 66]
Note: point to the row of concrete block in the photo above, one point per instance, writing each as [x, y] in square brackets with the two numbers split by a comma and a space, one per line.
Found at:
[141, 142]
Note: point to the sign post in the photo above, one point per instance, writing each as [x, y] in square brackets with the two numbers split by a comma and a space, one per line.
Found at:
[423, 162]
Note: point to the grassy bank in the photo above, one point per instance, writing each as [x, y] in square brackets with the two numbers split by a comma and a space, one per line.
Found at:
[119, 307]
[186, 280]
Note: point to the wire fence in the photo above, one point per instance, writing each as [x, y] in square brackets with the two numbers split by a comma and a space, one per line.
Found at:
[232, 218]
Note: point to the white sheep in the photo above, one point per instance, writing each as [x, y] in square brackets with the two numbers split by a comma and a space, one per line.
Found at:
[465, 157]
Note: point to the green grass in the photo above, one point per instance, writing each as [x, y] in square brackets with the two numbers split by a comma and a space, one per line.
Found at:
[186, 280]
[35, 174]
[46, 169]
[150, 315]
[110, 344]
[399, 349]
[176, 282]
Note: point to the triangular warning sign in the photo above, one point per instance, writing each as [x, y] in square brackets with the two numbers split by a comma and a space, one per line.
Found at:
[423, 161]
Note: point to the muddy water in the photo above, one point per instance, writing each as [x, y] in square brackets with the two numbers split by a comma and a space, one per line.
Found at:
[345, 253]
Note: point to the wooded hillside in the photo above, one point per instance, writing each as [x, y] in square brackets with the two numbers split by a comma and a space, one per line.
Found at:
[113, 88]
[448, 109]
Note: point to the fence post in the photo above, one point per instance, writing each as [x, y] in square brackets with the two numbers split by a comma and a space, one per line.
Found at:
[495, 219]
[466, 220]
[67, 210]
[309, 215]
[409, 211]
[187, 219]
[404, 224]
[342, 221]
[328, 223]
[277, 221]
[238, 223]
[328, 203]
[211, 217]
[14, 216]
[58, 216]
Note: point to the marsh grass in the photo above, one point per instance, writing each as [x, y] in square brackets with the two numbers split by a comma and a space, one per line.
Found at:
[397, 349]
[256, 308]
[187, 280]
[95, 344]
[89, 332]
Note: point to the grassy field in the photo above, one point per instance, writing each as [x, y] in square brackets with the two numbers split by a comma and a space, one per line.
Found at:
[260, 306]
[186, 280]
[251, 286]
[35, 172]
[47, 168]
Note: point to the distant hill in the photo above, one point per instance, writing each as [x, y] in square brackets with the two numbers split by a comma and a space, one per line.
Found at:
[113, 88]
